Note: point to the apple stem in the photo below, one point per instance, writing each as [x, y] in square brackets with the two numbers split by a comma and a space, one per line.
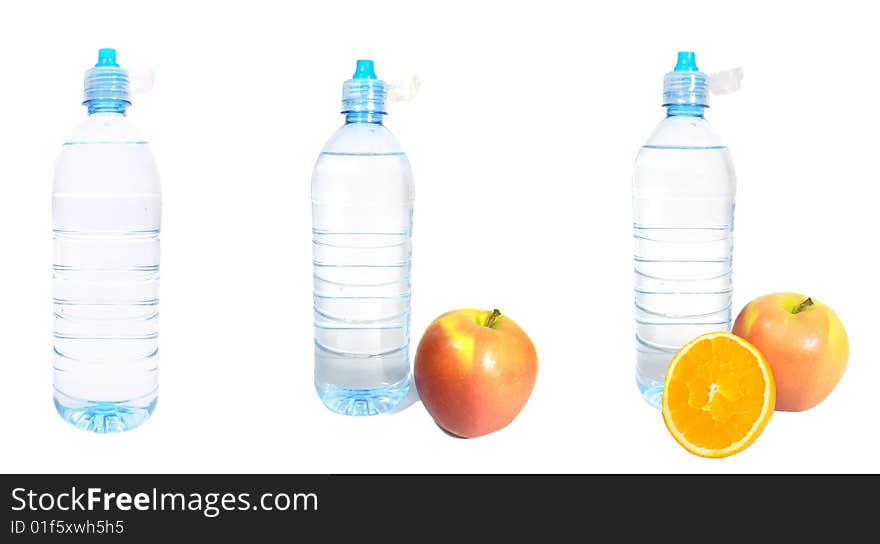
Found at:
[806, 303]
[493, 317]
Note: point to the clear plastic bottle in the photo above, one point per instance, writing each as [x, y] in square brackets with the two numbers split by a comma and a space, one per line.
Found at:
[683, 200]
[362, 203]
[106, 208]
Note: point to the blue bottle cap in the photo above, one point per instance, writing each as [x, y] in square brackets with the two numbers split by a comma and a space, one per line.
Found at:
[686, 84]
[364, 70]
[107, 57]
[364, 91]
[687, 62]
[106, 84]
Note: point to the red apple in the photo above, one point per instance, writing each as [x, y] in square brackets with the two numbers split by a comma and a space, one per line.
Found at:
[803, 340]
[474, 370]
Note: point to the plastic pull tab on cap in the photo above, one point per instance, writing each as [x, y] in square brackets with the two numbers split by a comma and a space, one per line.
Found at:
[405, 89]
[726, 82]
[142, 82]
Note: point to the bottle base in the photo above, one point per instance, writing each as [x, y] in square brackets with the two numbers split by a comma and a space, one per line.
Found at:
[105, 417]
[651, 390]
[363, 402]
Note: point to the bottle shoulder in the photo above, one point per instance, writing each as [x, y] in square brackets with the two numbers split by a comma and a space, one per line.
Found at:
[105, 154]
[106, 128]
[684, 131]
[365, 162]
[363, 138]
[684, 158]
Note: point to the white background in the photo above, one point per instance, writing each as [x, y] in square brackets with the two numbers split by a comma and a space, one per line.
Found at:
[522, 142]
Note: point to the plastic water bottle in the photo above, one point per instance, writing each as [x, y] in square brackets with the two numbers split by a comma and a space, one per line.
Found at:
[683, 200]
[362, 202]
[106, 209]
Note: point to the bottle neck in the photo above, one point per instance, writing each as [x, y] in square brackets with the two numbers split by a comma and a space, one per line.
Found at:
[372, 117]
[107, 105]
[685, 110]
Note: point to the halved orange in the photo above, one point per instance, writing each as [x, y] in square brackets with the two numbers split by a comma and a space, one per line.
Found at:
[718, 395]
